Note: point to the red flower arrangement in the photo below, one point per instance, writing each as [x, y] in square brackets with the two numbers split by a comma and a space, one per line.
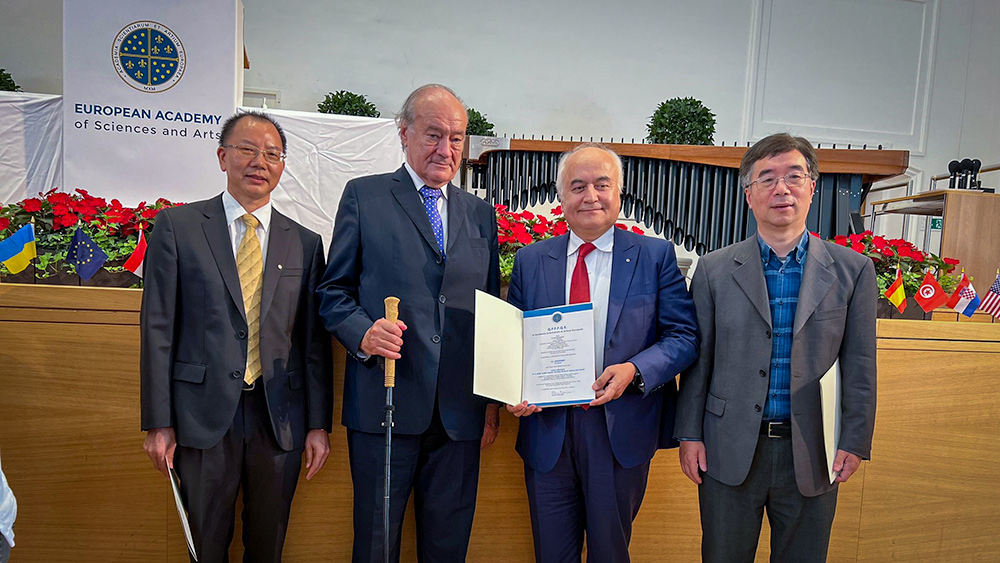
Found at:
[113, 226]
[890, 254]
[517, 230]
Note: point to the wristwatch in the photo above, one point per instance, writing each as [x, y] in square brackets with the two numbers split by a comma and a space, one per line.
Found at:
[637, 381]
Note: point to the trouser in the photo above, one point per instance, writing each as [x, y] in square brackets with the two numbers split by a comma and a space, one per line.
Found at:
[443, 475]
[248, 457]
[587, 491]
[731, 516]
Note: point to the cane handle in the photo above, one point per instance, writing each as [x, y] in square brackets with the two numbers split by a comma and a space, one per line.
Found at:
[391, 315]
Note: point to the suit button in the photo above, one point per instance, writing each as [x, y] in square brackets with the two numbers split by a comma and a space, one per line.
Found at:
[756, 408]
[438, 260]
[763, 373]
[241, 334]
[236, 375]
[768, 333]
[435, 339]
[442, 299]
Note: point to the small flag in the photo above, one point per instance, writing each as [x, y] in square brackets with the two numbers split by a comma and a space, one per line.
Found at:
[134, 262]
[85, 255]
[895, 293]
[964, 300]
[930, 296]
[991, 302]
[17, 250]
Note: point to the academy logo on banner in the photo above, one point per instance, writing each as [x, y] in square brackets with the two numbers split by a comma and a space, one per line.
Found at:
[144, 122]
[148, 56]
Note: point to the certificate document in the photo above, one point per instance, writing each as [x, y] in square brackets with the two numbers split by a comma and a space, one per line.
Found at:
[545, 356]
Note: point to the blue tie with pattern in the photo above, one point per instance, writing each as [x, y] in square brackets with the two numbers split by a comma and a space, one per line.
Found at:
[431, 196]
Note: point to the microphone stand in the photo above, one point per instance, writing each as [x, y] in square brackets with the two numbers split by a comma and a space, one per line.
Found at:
[391, 315]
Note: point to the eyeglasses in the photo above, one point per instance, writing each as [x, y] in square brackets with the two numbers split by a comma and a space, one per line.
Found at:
[792, 180]
[270, 156]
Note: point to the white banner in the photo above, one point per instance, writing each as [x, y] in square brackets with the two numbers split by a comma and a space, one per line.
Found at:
[324, 152]
[146, 87]
[30, 144]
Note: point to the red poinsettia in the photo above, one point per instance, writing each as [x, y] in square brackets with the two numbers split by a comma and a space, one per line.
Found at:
[890, 254]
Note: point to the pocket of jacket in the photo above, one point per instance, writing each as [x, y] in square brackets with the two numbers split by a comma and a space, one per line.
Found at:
[715, 405]
[289, 272]
[294, 380]
[839, 313]
[191, 373]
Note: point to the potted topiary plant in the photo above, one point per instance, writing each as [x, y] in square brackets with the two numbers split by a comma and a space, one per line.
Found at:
[347, 103]
[478, 125]
[7, 83]
[681, 121]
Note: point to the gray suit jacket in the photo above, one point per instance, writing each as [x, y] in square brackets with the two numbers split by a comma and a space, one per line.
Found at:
[722, 395]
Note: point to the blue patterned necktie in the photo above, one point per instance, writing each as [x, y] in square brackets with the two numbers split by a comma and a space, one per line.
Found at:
[431, 196]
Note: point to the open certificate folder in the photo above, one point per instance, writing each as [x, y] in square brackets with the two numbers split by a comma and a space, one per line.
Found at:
[545, 356]
[829, 398]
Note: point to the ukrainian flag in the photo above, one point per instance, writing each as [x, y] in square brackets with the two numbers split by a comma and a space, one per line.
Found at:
[17, 250]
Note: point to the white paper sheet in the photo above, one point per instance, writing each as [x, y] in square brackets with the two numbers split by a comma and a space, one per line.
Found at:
[829, 396]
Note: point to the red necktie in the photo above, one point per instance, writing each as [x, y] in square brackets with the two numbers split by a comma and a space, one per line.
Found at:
[579, 284]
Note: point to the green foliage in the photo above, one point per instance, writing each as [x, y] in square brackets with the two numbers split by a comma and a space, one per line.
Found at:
[681, 121]
[7, 83]
[478, 125]
[347, 103]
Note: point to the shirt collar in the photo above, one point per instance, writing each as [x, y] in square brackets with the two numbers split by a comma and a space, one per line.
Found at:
[798, 253]
[234, 211]
[604, 243]
[419, 183]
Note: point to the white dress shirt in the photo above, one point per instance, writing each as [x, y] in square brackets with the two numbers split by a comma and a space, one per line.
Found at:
[237, 227]
[599, 274]
[8, 510]
[442, 202]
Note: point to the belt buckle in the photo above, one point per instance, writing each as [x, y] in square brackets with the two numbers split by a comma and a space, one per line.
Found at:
[770, 432]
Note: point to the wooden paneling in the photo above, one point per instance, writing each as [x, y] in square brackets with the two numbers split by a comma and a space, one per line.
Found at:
[72, 451]
[872, 164]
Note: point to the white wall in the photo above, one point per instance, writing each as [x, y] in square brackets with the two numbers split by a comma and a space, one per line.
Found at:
[918, 75]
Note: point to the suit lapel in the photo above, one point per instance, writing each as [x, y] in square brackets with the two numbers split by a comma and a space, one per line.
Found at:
[553, 279]
[457, 212]
[624, 256]
[817, 279]
[278, 241]
[749, 275]
[408, 198]
[217, 233]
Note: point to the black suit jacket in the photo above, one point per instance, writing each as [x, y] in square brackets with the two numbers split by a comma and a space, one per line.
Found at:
[194, 330]
[383, 245]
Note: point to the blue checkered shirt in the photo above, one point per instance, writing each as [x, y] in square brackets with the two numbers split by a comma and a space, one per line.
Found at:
[783, 278]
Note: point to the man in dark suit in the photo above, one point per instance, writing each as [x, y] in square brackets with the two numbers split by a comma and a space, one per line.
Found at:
[414, 235]
[235, 366]
[775, 311]
[586, 469]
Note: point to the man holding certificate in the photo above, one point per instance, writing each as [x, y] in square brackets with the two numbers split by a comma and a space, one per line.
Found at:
[586, 468]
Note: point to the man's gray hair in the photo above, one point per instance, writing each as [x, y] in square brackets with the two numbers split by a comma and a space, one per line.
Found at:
[408, 113]
[561, 169]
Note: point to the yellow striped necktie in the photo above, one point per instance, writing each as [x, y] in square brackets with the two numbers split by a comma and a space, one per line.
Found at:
[250, 264]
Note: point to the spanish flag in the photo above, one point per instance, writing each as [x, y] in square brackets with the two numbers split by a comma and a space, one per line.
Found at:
[17, 250]
[895, 293]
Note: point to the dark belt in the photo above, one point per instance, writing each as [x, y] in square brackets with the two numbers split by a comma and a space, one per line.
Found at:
[775, 429]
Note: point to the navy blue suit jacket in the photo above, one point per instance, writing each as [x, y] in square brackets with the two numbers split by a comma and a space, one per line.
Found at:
[651, 323]
[383, 245]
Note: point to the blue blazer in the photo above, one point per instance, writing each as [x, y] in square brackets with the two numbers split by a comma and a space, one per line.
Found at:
[383, 245]
[651, 323]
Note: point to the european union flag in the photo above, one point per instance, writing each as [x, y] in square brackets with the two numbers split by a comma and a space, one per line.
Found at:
[85, 255]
